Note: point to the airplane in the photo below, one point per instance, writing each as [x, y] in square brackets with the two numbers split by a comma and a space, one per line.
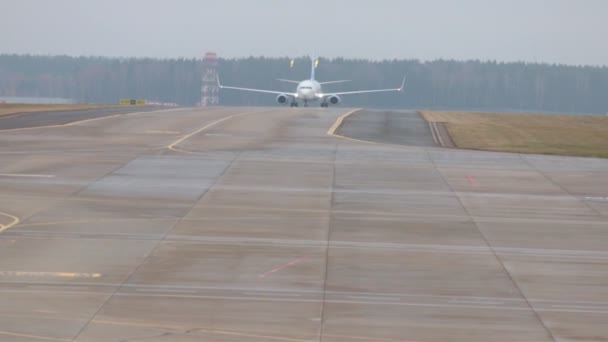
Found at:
[310, 91]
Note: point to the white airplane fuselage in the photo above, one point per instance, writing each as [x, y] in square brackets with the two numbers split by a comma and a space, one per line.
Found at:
[308, 90]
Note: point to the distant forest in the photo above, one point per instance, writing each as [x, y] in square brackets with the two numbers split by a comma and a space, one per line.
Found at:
[439, 84]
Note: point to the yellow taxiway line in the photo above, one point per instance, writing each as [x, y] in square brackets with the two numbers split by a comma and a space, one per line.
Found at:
[339, 122]
[93, 119]
[15, 220]
[173, 145]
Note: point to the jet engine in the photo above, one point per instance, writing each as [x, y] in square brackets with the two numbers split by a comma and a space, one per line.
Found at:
[334, 99]
[282, 99]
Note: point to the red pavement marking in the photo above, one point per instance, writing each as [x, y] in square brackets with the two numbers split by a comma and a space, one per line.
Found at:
[291, 263]
[472, 181]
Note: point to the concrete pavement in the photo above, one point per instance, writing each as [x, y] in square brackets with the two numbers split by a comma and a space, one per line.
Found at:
[254, 224]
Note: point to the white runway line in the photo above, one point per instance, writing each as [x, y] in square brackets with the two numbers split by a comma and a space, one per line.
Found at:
[25, 175]
[580, 307]
[163, 132]
[375, 298]
[460, 301]
[165, 290]
[58, 287]
[49, 274]
[272, 294]
[598, 199]
[432, 128]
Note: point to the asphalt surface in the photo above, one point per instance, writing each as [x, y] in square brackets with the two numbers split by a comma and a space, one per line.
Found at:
[254, 224]
[37, 119]
[390, 127]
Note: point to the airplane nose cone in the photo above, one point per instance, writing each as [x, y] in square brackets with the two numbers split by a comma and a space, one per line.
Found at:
[306, 93]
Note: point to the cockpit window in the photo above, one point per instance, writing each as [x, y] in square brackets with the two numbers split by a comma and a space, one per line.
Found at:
[305, 87]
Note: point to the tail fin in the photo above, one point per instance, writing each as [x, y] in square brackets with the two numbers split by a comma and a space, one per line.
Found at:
[313, 66]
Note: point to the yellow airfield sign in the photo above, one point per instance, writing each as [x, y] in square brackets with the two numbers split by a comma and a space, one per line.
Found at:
[132, 102]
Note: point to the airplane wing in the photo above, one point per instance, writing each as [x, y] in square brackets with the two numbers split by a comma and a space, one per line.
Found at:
[332, 82]
[298, 82]
[255, 90]
[367, 91]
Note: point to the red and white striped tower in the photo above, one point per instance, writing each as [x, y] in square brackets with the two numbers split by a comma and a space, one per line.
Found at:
[210, 89]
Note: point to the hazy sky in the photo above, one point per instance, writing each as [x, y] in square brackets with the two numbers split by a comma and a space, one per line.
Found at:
[562, 31]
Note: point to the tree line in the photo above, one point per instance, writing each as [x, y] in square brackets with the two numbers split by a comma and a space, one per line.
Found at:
[439, 84]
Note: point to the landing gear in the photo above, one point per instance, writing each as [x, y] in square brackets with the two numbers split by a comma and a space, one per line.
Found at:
[294, 104]
[305, 103]
[324, 104]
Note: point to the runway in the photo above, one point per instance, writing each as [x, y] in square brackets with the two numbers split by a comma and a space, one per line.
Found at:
[63, 117]
[259, 224]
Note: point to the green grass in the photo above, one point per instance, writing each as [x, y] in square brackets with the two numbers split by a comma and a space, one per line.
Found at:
[568, 135]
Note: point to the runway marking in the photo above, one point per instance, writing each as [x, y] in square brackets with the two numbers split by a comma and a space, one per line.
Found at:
[332, 130]
[69, 292]
[163, 132]
[93, 119]
[599, 199]
[475, 302]
[165, 290]
[38, 287]
[284, 266]
[272, 294]
[101, 220]
[197, 329]
[25, 175]
[432, 128]
[376, 339]
[8, 333]
[15, 220]
[173, 145]
[475, 299]
[49, 274]
[375, 298]
[419, 248]
[436, 135]
[218, 135]
[580, 307]
[338, 123]
[89, 120]
[338, 301]
[472, 181]
[233, 333]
